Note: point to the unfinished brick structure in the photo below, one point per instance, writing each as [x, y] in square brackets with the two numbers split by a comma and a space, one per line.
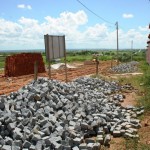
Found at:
[23, 64]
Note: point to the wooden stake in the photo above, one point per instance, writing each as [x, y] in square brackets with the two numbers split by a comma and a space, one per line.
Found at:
[97, 64]
[66, 75]
[111, 62]
[49, 69]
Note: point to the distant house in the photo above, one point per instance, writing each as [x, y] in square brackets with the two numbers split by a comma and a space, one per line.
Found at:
[148, 49]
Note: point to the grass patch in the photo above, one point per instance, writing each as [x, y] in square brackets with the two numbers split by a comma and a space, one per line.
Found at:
[2, 61]
[2, 64]
[134, 144]
[133, 80]
[145, 100]
[79, 58]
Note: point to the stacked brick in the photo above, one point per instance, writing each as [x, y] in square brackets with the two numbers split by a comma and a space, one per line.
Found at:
[23, 64]
[148, 49]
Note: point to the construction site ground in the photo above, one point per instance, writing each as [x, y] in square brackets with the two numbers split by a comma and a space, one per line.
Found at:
[12, 84]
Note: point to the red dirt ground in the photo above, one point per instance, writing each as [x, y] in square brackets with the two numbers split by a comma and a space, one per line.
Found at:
[11, 84]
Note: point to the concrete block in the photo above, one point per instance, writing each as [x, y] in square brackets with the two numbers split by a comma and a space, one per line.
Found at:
[6, 147]
[39, 145]
[8, 141]
[17, 143]
[57, 146]
[83, 146]
[107, 140]
[46, 131]
[89, 140]
[32, 147]
[84, 126]
[116, 133]
[77, 141]
[96, 146]
[75, 148]
[2, 106]
[66, 147]
[15, 148]
[47, 141]
[90, 146]
[72, 123]
[11, 126]
[128, 135]
[17, 135]
[36, 137]
[100, 140]
[26, 144]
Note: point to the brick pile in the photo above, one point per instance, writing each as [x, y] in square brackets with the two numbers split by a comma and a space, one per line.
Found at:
[23, 64]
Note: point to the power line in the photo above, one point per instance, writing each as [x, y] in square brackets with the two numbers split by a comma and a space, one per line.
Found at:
[94, 13]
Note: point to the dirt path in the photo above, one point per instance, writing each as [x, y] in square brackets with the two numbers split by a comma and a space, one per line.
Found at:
[144, 131]
[130, 99]
[119, 143]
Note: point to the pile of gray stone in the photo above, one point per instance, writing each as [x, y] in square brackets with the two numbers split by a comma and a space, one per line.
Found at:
[125, 67]
[47, 114]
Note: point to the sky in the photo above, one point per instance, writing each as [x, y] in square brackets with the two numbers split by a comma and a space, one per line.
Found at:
[86, 24]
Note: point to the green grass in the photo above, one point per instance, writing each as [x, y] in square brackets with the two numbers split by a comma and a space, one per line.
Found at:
[2, 61]
[145, 79]
[141, 83]
[79, 58]
[2, 64]
[133, 144]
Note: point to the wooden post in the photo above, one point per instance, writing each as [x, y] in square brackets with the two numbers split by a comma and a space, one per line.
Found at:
[48, 55]
[111, 65]
[95, 58]
[97, 64]
[35, 70]
[66, 75]
[49, 69]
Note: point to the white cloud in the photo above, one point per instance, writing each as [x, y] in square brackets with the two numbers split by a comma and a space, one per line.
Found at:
[127, 15]
[144, 29]
[29, 33]
[28, 7]
[23, 6]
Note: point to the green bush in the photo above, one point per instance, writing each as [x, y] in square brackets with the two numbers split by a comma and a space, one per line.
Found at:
[145, 79]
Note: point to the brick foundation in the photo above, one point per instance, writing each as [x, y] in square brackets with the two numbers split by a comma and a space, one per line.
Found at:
[23, 64]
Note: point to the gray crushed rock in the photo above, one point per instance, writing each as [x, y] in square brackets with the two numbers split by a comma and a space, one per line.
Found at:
[48, 114]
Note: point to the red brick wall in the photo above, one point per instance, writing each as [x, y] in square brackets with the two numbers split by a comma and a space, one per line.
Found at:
[23, 64]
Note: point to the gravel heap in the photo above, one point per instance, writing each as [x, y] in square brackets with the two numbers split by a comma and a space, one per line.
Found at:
[125, 68]
[47, 114]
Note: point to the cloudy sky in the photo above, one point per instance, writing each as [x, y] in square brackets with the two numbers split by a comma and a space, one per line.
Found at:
[23, 23]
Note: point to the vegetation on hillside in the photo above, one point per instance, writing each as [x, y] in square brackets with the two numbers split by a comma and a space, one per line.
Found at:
[124, 55]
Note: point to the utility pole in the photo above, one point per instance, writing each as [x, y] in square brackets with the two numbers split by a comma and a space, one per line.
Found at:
[117, 43]
[131, 49]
